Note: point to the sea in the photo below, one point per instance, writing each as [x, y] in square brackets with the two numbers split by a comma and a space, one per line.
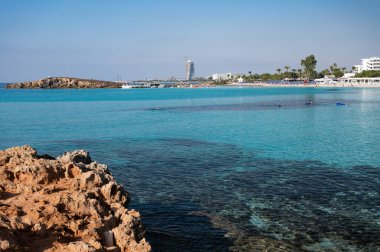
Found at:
[223, 169]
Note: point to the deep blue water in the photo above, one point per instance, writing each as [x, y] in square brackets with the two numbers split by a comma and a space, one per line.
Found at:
[221, 169]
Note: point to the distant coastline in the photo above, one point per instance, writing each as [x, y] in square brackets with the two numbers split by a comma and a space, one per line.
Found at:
[78, 83]
[64, 82]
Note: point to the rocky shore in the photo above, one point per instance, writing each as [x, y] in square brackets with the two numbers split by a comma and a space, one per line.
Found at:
[68, 203]
[65, 82]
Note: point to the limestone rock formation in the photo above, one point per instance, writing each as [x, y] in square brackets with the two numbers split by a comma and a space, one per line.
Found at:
[65, 82]
[65, 204]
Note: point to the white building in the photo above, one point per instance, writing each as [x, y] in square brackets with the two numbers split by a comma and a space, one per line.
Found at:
[189, 70]
[372, 63]
[223, 76]
[368, 82]
[348, 75]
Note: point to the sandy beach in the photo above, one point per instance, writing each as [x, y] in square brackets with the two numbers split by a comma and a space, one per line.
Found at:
[335, 85]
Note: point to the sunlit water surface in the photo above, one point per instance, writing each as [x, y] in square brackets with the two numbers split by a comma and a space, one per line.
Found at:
[223, 169]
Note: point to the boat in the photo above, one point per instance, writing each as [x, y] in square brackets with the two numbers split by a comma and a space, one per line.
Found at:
[126, 86]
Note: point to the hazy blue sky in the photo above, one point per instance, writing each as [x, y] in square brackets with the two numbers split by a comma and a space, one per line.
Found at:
[101, 39]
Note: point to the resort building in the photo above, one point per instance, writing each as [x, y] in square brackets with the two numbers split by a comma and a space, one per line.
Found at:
[223, 76]
[372, 63]
[189, 70]
[348, 75]
[357, 82]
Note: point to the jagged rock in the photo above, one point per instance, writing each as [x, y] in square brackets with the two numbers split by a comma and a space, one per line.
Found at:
[66, 204]
[65, 82]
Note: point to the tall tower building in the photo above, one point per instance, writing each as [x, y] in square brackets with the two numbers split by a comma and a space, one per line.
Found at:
[189, 70]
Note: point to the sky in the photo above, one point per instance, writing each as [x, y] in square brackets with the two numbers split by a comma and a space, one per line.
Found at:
[129, 39]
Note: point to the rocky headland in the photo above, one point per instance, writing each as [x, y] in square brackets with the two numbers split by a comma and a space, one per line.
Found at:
[68, 203]
[65, 82]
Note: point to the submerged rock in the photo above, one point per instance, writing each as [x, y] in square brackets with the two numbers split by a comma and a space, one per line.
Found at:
[65, 204]
[65, 82]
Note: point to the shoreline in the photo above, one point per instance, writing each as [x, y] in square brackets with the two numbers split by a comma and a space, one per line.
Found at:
[76, 83]
[337, 85]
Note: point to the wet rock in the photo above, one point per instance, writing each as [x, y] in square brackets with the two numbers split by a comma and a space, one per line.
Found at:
[64, 204]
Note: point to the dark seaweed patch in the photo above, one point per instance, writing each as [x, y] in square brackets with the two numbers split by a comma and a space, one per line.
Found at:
[195, 193]
[281, 104]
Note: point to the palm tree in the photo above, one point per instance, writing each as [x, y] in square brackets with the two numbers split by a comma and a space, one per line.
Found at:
[299, 72]
[249, 72]
[286, 71]
[344, 69]
[278, 70]
[309, 64]
[332, 69]
[294, 73]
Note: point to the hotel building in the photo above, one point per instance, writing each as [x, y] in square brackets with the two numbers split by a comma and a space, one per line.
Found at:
[372, 63]
[189, 70]
[223, 76]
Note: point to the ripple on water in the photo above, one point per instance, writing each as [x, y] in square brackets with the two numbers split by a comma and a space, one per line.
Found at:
[198, 196]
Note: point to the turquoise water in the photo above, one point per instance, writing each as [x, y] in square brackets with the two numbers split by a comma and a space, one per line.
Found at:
[222, 169]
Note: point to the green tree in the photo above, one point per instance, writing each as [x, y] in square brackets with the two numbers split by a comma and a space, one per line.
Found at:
[265, 77]
[278, 75]
[331, 69]
[309, 64]
[368, 74]
[325, 72]
[299, 73]
[338, 72]
[294, 75]
[286, 74]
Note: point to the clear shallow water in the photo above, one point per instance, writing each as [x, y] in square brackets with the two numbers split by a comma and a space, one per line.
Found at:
[223, 169]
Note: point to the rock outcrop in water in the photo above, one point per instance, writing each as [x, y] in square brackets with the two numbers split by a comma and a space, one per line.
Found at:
[65, 82]
[65, 204]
